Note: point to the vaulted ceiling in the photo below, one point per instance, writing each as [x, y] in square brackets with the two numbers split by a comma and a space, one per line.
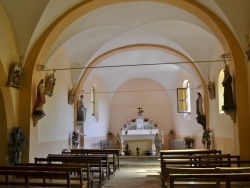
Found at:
[123, 24]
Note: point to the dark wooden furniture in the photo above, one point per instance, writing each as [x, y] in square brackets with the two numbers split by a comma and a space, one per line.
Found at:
[194, 171]
[77, 171]
[29, 178]
[95, 163]
[214, 179]
[114, 152]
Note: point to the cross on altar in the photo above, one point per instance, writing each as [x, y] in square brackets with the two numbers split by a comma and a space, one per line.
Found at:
[139, 109]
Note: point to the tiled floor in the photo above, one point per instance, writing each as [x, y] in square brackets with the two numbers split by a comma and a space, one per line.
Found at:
[137, 177]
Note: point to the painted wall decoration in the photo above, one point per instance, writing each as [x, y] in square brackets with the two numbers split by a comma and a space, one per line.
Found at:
[16, 73]
[50, 84]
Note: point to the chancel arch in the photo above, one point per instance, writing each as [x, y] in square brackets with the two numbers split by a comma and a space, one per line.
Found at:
[39, 53]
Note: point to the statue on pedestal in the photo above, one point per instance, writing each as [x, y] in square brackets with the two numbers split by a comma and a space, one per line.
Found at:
[158, 143]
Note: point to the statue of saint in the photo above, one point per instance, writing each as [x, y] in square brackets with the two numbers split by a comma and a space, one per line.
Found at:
[158, 143]
[72, 93]
[211, 89]
[199, 108]
[40, 98]
[227, 84]
[80, 109]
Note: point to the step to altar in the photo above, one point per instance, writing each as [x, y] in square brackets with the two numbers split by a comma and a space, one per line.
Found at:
[127, 161]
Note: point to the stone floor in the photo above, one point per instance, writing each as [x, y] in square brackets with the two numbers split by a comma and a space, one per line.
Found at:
[138, 176]
[137, 172]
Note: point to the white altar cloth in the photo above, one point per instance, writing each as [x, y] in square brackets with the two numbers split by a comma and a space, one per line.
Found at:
[137, 137]
[141, 135]
[140, 132]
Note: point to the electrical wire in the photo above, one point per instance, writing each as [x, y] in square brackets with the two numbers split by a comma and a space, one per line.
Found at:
[43, 68]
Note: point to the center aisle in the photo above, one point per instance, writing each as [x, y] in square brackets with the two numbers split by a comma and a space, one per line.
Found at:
[137, 177]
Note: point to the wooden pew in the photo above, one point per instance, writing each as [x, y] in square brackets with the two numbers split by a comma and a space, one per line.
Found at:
[78, 160]
[214, 179]
[93, 167]
[237, 178]
[194, 171]
[193, 161]
[35, 178]
[85, 170]
[114, 152]
[189, 152]
[69, 169]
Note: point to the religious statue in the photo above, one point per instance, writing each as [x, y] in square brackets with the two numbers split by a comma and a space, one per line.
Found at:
[40, 98]
[16, 73]
[50, 84]
[211, 89]
[201, 118]
[199, 108]
[158, 143]
[81, 109]
[71, 97]
[228, 92]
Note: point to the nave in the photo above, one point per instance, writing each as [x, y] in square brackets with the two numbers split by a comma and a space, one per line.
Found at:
[139, 176]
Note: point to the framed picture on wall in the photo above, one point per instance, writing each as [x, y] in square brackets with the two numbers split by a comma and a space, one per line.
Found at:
[15, 78]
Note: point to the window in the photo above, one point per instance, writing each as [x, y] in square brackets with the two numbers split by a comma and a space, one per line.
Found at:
[183, 98]
[220, 91]
[93, 100]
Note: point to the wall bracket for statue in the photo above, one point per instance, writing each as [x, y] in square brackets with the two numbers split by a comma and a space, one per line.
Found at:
[201, 119]
[37, 115]
[231, 111]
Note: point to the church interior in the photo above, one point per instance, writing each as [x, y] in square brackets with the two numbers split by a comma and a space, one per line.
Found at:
[142, 66]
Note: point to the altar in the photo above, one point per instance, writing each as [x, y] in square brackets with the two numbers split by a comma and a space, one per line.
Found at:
[139, 129]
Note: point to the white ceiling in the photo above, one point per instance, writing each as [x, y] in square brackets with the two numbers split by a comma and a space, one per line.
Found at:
[123, 24]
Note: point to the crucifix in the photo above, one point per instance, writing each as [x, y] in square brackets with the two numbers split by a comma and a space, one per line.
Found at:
[139, 109]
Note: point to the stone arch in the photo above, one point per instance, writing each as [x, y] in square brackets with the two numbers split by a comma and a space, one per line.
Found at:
[7, 119]
[221, 31]
[165, 49]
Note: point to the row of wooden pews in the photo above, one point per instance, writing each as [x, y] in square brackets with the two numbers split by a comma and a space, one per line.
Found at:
[42, 176]
[202, 167]
[62, 170]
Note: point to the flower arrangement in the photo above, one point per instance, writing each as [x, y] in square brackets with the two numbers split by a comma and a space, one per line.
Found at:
[171, 131]
[188, 141]
[206, 138]
[75, 138]
[16, 145]
[110, 133]
[127, 151]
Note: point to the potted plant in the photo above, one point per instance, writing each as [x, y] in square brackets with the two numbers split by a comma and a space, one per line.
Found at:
[137, 151]
[111, 136]
[188, 142]
[171, 134]
[16, 145]
[206, 138]
[75, 139]
[127, 151]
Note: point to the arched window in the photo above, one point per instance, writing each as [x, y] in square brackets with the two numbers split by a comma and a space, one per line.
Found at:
[93, 100]
[183, 97]
[220, 91]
